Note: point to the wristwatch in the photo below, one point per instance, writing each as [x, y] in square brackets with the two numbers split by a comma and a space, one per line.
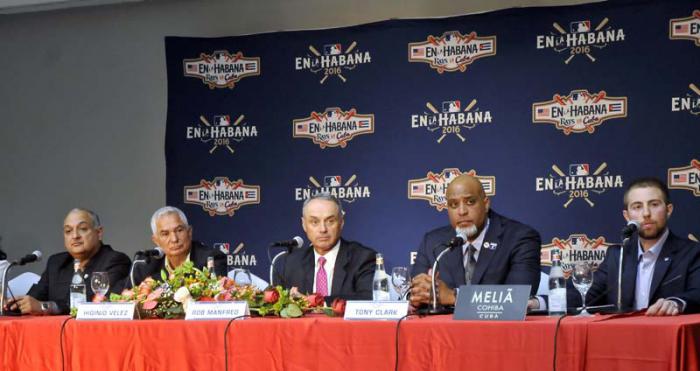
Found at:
[45, 307]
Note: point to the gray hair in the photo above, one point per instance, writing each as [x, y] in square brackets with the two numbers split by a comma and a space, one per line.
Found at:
[166, 210]
[93, 216]
[325, 196]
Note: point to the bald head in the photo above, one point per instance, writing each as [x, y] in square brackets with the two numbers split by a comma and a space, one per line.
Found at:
[467, 204]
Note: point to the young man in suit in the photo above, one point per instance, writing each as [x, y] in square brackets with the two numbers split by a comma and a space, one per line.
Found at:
[661, 271]
[331, 266]
[82, 238]
[503, 251]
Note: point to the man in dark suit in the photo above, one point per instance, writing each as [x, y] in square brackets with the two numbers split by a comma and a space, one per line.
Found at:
[661, 271]
[331, 266]
[173, 234]
[82, 237]
[504, 251]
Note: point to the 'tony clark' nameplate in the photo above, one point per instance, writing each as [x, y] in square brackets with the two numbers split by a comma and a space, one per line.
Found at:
[106, 311]
[367, 309]
[492, 302]
[216, 310]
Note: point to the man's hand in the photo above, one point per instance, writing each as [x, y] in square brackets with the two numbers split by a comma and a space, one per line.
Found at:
[664, 307]
[421, 288]
[26, 305]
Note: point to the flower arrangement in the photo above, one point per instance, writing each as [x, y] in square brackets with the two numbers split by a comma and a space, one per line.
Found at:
[170, 298]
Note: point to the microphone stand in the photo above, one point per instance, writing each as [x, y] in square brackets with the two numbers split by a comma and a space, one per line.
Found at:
[272, 265]
[131, 271]
[3, 288]
[435, 309]
[619, 275]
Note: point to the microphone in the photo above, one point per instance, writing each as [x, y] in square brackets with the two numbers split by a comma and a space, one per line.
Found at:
[627, 232]
[631, 227]
[296, 242]
[33, 257]
[462, 236]
[155, 252]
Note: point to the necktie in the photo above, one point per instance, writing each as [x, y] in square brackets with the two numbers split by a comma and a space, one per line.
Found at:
[321, 278]
[469, 264]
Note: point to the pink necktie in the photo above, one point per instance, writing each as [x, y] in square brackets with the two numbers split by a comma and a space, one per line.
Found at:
[321, 278]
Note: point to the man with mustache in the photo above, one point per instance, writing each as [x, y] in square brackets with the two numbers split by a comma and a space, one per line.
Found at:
[498, 250]
[661, 271]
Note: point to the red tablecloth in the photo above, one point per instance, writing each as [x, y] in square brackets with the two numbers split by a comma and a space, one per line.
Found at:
[318, 342]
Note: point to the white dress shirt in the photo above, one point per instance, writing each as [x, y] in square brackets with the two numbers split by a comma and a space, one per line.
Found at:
[646, 261]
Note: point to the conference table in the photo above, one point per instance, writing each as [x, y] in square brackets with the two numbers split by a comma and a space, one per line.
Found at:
[601, 342]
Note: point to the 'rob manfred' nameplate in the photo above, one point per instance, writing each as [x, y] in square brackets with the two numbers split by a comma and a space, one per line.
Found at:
[106, 311]
[492, 302]
[217, 309]
[367, 309]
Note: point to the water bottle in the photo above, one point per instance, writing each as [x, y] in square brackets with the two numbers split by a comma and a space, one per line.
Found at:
[77, 286]
[210, 267]
[380, 283]
[557, 286]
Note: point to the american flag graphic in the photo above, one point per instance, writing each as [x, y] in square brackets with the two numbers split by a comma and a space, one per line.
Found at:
[420, 188]
[418, 52]
[301, 128]
[680, 178]
[681, 28]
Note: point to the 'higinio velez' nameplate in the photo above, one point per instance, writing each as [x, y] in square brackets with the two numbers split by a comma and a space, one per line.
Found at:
[492, 302]
[367, 309]
[106, 311]
[216, 309]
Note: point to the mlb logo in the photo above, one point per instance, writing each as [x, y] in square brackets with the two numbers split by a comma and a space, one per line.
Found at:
[574, 241]
[578, 170]
[581, 26]
[219, 55]
[451, 106]
[224, 247]
[332, 49]
[332, 181]
[222, 120]
[219, 183]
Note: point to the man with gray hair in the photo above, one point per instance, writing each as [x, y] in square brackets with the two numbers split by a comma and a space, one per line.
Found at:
[82, 238]
[173, 235]
[331, 266]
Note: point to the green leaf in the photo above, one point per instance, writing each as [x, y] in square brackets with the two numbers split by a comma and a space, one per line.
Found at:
[163, 275]
[294, 311]
[284, 313]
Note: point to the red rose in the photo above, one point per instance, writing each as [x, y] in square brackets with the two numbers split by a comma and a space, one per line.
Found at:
[315, 300]
[98, 298]
[271, 296]
[338, 306]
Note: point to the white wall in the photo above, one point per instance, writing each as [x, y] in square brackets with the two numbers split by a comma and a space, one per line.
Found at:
[83, 103]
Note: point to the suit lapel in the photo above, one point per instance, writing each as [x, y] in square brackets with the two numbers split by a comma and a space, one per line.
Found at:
[663, 263]
[308, 274]
[493, 237]
[339, 270]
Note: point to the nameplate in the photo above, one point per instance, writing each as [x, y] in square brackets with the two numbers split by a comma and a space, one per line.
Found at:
[372, 310]
[492, 302]
[106, 311]
[199, 310]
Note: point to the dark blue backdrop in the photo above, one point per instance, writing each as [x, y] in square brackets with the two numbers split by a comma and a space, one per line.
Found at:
[637, 61]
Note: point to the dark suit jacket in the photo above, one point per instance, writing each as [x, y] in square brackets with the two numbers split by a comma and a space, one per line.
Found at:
[55, 281]
[352, 275]
[514, 260]
[198, 255]
[676, 273]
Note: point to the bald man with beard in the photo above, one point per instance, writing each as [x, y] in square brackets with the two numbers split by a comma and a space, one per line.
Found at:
[504, 251]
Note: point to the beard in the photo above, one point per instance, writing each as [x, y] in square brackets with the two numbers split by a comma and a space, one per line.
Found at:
[652, 234]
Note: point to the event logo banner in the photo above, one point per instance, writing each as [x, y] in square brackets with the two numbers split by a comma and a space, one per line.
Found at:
[452, 51]
[580, 39]
[685, 177]
[580, 111]
[579, 183]
[433, 187]
[237, 257]
[690, 102]
[221, 69]
[222, 196]
[347, 190]
[333, 127]
[334, 61]
[685, 28]
[576, 248]
[219, 131]
[451, 118]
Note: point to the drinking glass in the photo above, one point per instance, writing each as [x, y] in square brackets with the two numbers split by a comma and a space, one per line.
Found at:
[400, 281]
[241, 276]
[582, 277]
[99, 282]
